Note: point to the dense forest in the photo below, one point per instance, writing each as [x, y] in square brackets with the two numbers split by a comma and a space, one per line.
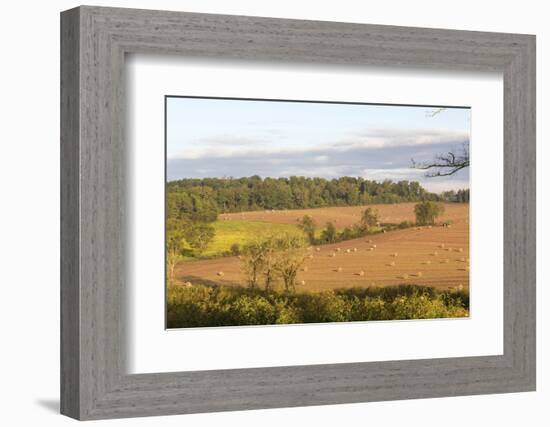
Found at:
[205, 198]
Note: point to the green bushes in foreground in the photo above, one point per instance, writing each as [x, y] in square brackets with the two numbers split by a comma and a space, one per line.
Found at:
[201, 306]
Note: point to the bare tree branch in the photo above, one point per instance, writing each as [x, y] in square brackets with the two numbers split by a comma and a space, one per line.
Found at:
[446, 164]
[434, 112]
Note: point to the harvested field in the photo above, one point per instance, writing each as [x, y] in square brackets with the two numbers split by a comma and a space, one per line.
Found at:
[348, 215]
[433, 256]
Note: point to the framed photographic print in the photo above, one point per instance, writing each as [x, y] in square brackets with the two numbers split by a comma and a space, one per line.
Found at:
[262, 213]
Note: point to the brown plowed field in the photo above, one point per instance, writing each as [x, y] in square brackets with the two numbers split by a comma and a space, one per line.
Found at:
[420, 258]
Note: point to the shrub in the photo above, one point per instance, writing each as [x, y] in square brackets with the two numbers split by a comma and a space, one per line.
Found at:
[235, 249]
[426, 212]
[232, 306]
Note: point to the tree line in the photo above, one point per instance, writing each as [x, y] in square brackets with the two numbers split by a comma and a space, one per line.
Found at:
[225, 195]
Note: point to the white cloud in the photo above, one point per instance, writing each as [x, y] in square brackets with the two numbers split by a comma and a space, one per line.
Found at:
[393, 174]
[230, 146]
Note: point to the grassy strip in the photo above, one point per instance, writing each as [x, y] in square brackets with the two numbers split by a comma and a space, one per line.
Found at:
[202, 306]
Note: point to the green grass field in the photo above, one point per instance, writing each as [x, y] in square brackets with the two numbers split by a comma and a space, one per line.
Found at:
[242, 232]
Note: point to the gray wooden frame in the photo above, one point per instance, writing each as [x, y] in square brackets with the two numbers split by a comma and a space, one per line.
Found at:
[94, 41]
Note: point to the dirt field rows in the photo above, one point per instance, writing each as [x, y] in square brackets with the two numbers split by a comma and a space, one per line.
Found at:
[435, 256]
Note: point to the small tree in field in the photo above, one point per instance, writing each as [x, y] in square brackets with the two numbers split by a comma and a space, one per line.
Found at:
[291, 255]
[308, 227]
[175, 245]
[329, 233]
[369, 218]
[198, 235]
[253, 261]
[427, 212]
[260, 257]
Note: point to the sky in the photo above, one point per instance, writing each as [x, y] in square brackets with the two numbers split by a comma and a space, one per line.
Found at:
[236, 138]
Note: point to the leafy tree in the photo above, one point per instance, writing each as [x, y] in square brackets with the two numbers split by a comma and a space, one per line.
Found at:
[308, 227]
[329, 234]
[253, 261]
[426, 212]
[369, 218]
[198, 235]
[291, 255]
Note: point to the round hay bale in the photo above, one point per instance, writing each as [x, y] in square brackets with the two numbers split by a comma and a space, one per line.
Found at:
[302, 282]
[220, 273]
[305, 268]
[339, 269]
[318, 249]
[361, 273]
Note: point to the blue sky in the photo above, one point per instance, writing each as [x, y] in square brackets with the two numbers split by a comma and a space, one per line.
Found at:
[220, 137]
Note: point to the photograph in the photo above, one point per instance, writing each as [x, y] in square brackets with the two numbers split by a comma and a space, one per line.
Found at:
[283, 212]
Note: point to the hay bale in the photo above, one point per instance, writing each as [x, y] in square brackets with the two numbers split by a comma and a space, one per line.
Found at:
[354, 249]
[405, 276]
[460, 287]
[302, 282]
[318, 249]
[374, 246]
[419, 274]
[361, 273]
[310, 256]
[332, 255]
[305, 268]
[220, 273]
[348, 251]
[442, 245]
[338, 249]
[369, 241]
[339, 269]
[427, 262]
[371, 249]
[394, 255]
[188, 284]
[434, 253]
[460, 250]
[392, 264]
[446, 260]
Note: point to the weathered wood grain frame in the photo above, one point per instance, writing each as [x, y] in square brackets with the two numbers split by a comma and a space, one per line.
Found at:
[94, 41]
